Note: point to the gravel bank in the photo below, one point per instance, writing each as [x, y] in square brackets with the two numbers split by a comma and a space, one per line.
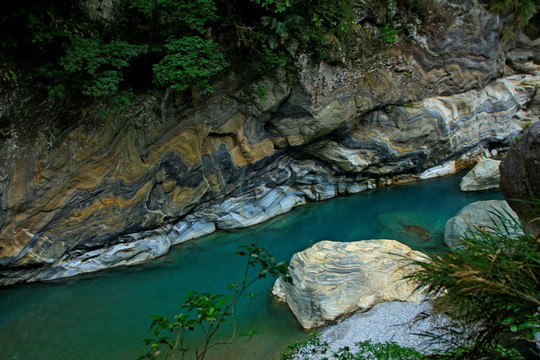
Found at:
[390, 321]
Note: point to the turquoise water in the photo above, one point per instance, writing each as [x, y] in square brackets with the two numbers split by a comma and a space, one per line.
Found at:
[106, 315]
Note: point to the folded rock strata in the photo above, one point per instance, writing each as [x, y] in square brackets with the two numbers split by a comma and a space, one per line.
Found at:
[81, 193]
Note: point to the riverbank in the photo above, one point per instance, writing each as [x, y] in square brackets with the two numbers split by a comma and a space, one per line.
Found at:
[398, 322]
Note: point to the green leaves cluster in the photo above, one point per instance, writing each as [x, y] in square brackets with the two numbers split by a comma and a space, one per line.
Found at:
[208, 312]
[193, 14]
[190, 62]
[364, 350]
[96, 67]
[177, 43]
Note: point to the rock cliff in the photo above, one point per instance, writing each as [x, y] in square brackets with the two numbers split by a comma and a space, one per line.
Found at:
[520, 176]
[81, 191]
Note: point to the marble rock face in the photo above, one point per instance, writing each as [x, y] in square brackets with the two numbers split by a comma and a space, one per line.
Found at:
[520, 176]
[481, 215]
[333, 280]
[484, 176]
[75, 186]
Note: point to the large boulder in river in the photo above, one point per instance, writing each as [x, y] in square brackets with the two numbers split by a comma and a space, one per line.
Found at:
[481, 215]
[520, 176]
[484, 176]
[333, 280]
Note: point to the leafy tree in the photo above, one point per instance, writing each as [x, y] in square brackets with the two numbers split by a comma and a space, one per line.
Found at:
[94, 67]
[191, 62]
[194, 14]
[208, 312]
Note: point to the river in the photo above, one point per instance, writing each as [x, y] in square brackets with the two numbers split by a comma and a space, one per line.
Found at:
[107, 315]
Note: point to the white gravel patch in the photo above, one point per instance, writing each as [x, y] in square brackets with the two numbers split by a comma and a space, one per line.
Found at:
[385, 322]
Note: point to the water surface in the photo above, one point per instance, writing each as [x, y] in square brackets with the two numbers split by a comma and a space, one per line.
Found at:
[106, 315]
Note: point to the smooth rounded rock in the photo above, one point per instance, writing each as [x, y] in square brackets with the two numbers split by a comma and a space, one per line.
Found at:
[484, 176]
[333, 280]
[481, 215]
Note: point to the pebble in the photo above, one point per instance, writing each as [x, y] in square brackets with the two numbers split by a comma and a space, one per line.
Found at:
[385, 322]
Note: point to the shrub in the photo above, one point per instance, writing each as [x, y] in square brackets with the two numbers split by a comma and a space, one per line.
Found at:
[208, 311]
[522, 11]
[365, 350]
[94, 67]
[191, 61]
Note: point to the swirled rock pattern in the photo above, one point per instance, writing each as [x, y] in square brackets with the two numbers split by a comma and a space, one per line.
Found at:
[332, 280]
[82, 192]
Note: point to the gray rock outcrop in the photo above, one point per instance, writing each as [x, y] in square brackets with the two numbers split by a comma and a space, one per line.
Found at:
[478, 215]
[333, 280]
[484, 176]
[520, 176]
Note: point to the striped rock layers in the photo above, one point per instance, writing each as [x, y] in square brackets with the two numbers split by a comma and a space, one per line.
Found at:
[81, 192]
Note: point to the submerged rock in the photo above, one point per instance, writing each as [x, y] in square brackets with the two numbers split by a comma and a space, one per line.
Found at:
[413, 228]
[332, 280]
[484, 176]
[481, 215]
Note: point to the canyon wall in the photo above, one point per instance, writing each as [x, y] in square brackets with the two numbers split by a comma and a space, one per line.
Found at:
[81, 191]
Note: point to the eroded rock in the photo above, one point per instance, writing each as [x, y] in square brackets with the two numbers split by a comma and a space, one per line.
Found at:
[481, 215]
[72, 182]
[333, 280]
[485, 175]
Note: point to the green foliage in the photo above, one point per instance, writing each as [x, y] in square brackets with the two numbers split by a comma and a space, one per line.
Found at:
[365, 350]
[315, 345]
[7, 75]
[388, 34]
[259, 93]
[275, 6]
[191, 62]
[188, 59]
[495, 352]
[193, 14]
[490, 285]
[94, 67]
[187, 42]
[522, 10]
[280, 31]
[207, 311]
[267, 60]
